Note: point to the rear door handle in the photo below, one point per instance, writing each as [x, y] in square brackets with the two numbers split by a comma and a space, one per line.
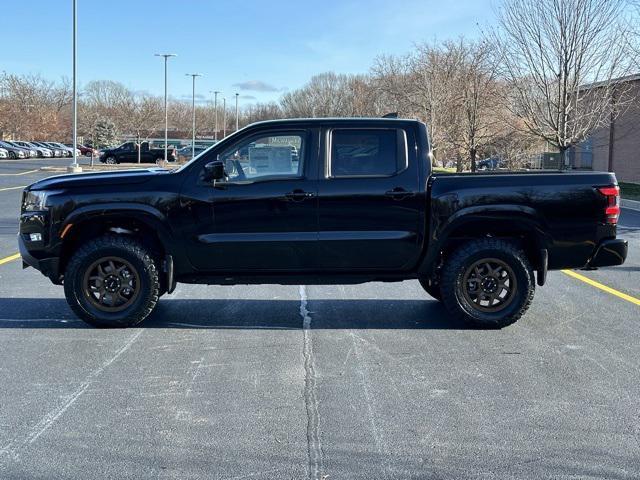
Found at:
[398, 193]
[298, 195]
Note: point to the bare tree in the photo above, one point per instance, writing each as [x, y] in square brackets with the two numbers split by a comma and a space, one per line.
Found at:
[562, 59]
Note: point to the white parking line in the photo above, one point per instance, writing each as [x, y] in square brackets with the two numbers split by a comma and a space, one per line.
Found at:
[13, 447]
[12, 188]
[17, 174]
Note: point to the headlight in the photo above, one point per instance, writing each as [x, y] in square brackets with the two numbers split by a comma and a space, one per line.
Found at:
[34, 200]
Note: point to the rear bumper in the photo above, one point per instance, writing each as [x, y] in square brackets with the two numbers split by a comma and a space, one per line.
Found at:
[50, 267]
[609, 253]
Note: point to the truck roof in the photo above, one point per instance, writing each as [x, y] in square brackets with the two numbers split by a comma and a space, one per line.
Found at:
[359, 121]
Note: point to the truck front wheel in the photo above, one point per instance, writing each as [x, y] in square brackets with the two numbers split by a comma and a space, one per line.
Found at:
[112, 281]
[488, 283]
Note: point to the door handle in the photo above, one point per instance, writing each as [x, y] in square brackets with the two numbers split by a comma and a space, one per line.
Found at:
[398, 193]
[298, 195]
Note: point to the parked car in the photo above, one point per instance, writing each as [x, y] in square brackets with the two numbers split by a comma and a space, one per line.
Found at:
[4, 153]
[68, 150]
[184, 154]
[29, 151]
[128, 153]
[362, 204]
[57, 152]
[14, 152]
[41, 152]
[84, 150]
[491, 163]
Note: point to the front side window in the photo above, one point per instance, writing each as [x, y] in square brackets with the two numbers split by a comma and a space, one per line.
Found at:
[372, 152]
[271, 156]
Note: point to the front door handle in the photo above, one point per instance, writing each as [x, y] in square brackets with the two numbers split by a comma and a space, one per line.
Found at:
[398, 193]
[298, 195]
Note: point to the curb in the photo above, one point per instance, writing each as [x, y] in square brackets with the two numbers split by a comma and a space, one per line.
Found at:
[631, 204]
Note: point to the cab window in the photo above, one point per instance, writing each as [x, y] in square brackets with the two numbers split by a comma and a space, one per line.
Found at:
[264, 157]
[367, 152]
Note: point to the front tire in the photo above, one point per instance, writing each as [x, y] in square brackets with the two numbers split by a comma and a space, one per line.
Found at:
[488, 283]
[110, 160]
[112, 281]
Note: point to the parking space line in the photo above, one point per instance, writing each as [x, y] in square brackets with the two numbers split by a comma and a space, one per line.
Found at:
[17, 174]
[604, 288]
[10, 258]
[12, 188]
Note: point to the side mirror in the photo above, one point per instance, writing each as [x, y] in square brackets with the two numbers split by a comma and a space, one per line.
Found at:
[213, 171]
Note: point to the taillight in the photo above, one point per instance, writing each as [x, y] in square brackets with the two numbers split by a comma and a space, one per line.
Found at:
[612, 210]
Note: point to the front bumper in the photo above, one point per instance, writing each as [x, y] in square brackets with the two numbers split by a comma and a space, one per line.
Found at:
[609, 253]
[50, 267]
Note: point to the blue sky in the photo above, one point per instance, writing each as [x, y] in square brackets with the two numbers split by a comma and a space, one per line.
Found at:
[257, 48]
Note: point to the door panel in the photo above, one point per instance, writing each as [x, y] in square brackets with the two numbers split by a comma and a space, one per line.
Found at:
[370, 222]
[263, 218]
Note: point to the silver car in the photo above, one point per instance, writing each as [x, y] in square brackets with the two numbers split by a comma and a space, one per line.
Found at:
[41, 151]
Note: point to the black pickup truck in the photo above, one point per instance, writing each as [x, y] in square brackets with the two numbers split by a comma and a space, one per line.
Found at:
[128, 153]
[321, 201]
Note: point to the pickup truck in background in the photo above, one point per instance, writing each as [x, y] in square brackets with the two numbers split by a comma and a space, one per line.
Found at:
[317, 201]
[128, 153]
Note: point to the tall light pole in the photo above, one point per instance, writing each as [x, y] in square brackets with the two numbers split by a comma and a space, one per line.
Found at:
[237, 95]
[166, 114]
[74, 167]
[215, 113]
[224, 117]
[193, 112]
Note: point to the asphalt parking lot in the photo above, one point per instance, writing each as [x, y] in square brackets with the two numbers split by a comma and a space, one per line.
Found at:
[288, 382]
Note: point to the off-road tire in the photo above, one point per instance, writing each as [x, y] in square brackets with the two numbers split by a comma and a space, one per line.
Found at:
[453, 285]
[433, 289]
[130, 251]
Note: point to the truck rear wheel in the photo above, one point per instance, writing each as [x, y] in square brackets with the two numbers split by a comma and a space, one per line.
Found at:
[112, 281]
[488, 283]
[431, 288]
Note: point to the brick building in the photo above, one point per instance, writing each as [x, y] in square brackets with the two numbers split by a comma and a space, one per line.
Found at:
[615, 147]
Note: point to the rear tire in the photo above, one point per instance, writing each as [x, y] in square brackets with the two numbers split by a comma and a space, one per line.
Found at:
[431, 288]
[488, 283]
[112, 281]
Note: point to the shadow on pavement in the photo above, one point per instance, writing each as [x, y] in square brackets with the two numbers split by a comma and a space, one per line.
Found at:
[246, 314]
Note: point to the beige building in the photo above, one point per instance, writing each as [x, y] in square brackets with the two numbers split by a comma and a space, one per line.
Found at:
[616, 147]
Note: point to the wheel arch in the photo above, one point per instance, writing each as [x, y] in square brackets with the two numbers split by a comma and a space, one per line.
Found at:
[517, 223]
[141, 221]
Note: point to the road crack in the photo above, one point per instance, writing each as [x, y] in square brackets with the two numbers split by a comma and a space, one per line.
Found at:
[314, 447]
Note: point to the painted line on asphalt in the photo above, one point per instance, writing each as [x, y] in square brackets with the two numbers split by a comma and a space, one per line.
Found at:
[10, 258]
[604, 288]
[17, 174]
[12, 188]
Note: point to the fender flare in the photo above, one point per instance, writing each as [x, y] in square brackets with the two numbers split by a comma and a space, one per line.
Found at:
[520, 217]
[145, 214]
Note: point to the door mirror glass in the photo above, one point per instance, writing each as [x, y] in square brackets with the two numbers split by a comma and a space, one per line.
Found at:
[213, 171]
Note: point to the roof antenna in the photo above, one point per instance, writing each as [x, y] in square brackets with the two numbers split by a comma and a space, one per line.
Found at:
[391, 115]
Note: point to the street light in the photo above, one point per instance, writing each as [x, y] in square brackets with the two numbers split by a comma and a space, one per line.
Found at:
[237, 95]
[193, 111]
[224, 117]
[215, 113]
[74, 167]
[166, 115]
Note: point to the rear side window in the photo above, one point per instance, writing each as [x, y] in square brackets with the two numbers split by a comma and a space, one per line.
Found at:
[366, 152]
